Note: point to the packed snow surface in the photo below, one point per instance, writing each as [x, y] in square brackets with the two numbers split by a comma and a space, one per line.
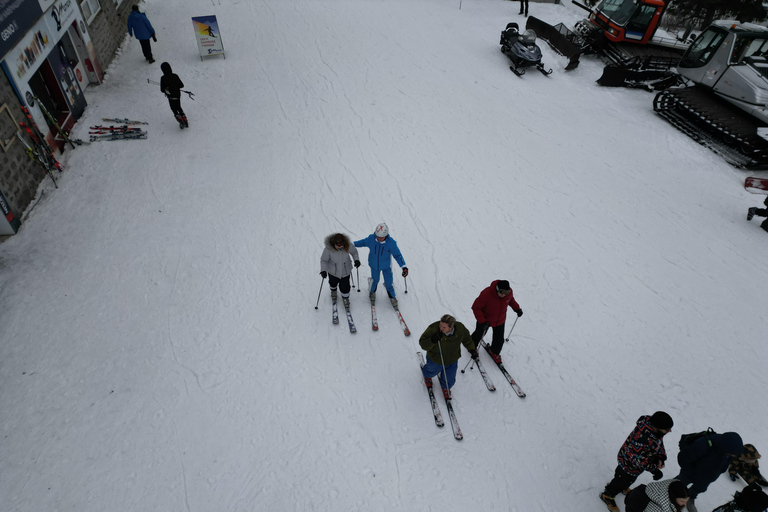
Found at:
[160, 349]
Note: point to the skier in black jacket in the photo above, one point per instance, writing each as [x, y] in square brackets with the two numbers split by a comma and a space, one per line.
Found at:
[171, 86]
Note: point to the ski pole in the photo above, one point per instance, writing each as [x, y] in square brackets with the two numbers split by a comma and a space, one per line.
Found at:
[465, 366]
[182, 90]
[318, 293]
[352, 279]
[510, 330]
[442, 361]
[405, 278]
[358, 279]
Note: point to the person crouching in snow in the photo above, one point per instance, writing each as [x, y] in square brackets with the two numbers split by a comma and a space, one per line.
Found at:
[335, 263]
[747, 467]
[665, 496]
[171, 86]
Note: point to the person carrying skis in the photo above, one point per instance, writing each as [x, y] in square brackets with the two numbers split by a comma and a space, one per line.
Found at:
[747, 467]
[336, 264]
[382, 248]
[760, 212]
[665, 496]
[642, 451]
[705, 459]
[171, 85]
[490, 309]
[139, 26]
[442, 342]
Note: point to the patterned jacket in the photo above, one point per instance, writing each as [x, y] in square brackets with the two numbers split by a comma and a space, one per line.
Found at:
[746, 465]
[643, 450]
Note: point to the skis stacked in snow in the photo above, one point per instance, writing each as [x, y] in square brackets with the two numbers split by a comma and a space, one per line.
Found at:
[504, 371]
[39, 152]
[123, 132]
[121, 121]
[432, 400]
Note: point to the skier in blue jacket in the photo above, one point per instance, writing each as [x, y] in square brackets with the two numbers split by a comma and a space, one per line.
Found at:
[382, 248]
[140, 27]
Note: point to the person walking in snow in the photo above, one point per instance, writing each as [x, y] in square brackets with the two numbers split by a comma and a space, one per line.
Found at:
[705, 459]
[382, 248]
[524, 7]
[665, 496]
[171, 85]
[442, 342]
[490, 309]
[747, 467]
[760, 212]
[642, 451]
[140, 27]
[336, 264]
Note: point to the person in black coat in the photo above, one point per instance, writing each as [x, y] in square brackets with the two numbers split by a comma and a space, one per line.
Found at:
[171, 86]
[702, 461]
[524, 7]
[760, 212]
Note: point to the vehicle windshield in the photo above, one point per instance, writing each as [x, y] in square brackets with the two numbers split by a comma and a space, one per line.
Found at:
[618, 11]
[749, 45]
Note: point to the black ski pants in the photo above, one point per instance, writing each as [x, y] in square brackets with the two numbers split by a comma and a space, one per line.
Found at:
[146, 49]
[524, 3]
[341, 282]
[175, 104]
[498, 337]
[621, 480]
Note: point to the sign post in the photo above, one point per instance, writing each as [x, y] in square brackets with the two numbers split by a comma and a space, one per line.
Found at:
[208, 36]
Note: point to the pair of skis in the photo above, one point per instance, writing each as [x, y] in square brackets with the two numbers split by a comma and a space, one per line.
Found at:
[351, 322]
[436, 409]
[375, 321]
[124, 132]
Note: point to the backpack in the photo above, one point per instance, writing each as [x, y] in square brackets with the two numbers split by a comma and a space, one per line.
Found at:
[689, 439]
[751, 499]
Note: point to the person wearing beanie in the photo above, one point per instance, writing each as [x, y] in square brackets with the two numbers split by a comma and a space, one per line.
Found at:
[747, 467]
[642, 451]
[171, 85]
[705, 459]
[490, 309]
[442, 342]
[382, 248]
[140, 27]
[336, 264]
[664, 496]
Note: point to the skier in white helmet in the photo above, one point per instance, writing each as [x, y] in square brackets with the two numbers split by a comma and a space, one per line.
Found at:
[382, 249]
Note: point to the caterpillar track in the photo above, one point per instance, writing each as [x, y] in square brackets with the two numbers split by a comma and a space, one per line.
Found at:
[716, 124]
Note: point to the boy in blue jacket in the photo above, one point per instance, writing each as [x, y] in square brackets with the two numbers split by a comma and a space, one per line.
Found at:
[382, 249]
[139, 26]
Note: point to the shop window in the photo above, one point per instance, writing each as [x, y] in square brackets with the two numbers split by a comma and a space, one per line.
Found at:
[90, 9]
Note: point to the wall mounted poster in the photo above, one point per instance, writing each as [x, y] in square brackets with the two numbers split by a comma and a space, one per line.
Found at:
[208, 36]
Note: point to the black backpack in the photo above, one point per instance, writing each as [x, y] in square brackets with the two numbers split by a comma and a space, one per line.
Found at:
[689, 439]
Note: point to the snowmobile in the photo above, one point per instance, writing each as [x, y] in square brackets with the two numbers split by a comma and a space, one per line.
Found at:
[521, 50]
[726, 107]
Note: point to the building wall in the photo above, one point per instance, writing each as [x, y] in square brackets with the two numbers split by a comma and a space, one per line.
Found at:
[109, 28]
[19, 175]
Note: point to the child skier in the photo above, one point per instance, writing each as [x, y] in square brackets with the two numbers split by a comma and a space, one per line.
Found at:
[171, 86]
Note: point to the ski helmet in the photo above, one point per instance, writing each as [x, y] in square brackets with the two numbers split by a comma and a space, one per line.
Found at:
[382, 230]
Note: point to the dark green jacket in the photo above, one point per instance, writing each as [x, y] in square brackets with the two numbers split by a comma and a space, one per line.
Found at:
[450, 345]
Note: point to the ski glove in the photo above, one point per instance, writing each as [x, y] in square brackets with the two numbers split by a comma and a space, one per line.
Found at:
[324, 274]
[485, 326]
[405, 271]
[657, 474]
[473, 353]
[436, 337]
[519, 312]
[733, 477]
[357, 263]
[154, 37]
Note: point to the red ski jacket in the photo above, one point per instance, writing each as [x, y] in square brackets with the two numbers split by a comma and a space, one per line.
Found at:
[488, 307]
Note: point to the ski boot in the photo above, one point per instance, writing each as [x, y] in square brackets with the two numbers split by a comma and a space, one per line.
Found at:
[372, 296]
[345, 300]
[333, 295]
[186, 123]
[428, 382]
[610, 502]
[180, 120]
[393, 301]
[751, 213]
[446, 393]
